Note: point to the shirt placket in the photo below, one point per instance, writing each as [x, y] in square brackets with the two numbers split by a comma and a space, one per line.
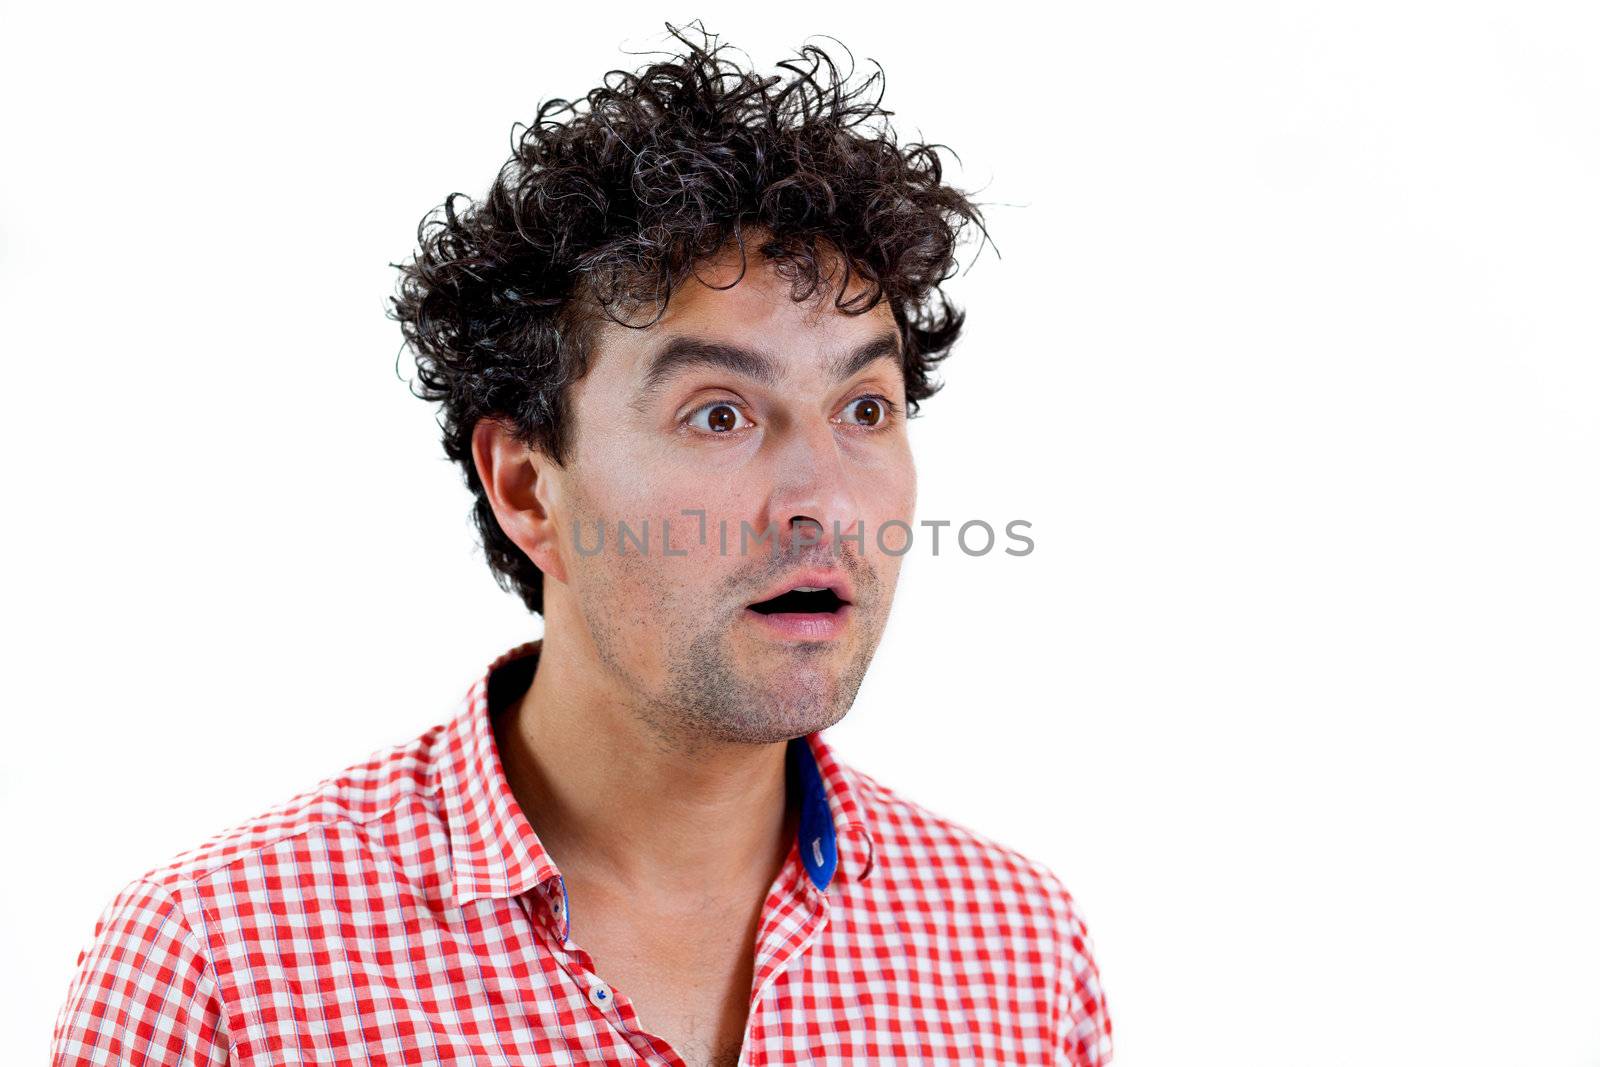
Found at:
[792, 916]
[613, 1013]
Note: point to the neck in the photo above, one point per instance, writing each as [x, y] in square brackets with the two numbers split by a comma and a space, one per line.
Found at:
[616, 805]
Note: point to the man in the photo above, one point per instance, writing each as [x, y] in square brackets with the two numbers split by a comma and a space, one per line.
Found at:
[675, 347]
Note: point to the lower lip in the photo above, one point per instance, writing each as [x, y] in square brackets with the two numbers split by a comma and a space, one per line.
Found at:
[803, 626]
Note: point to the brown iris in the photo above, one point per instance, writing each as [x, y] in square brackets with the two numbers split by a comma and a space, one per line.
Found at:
[869, 412]
[722, 418]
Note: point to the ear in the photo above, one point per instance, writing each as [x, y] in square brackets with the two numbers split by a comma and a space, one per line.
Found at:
[521, 485]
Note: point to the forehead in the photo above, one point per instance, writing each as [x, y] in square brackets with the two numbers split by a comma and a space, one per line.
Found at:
[754, 309]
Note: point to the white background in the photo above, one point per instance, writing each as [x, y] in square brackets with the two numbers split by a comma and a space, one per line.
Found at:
[1289, 356]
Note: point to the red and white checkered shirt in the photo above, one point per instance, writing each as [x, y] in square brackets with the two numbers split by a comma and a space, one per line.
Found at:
[404, 912]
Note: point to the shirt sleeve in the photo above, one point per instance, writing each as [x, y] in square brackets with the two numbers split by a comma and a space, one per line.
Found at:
[1083, 1037]
[145, 993]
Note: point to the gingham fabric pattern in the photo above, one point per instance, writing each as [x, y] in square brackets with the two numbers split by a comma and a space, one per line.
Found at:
[404, 912]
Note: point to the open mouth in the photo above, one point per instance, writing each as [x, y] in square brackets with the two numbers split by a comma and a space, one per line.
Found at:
[801, 601]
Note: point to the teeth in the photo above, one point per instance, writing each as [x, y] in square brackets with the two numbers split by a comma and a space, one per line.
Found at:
[808, 589]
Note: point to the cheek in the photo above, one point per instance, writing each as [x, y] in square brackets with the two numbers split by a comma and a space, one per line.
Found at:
[648, 481]
[627, 479]
[659, 556]
[891, 492]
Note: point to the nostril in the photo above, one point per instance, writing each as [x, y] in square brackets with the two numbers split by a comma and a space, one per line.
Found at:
[806, 532]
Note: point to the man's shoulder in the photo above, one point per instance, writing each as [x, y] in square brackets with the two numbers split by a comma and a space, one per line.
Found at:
[917, 845]
[983, 907]
[372, 790]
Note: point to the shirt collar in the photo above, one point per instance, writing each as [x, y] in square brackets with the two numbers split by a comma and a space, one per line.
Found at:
[495, 852]
[852, 831]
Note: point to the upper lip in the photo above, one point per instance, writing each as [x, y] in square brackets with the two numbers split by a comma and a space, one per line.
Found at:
[814, 578]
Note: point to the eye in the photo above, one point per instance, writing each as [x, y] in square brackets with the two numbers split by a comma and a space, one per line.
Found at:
[720, 417]
[870, 411]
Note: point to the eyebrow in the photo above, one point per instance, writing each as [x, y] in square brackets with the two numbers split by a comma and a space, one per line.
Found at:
[682, 352]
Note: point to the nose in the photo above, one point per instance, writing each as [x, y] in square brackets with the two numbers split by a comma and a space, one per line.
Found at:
[812, 506]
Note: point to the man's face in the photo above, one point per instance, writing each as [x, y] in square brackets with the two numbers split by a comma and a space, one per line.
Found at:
[783, 448]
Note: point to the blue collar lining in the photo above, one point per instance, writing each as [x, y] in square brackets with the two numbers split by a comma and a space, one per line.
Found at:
[819, 847]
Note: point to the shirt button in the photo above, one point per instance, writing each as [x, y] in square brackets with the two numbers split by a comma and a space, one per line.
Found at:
[555, 907]
[600, 996]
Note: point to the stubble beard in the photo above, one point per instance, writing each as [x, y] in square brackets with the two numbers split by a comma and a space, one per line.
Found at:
[713, 696]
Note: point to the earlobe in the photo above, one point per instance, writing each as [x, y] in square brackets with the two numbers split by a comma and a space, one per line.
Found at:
[518, 482]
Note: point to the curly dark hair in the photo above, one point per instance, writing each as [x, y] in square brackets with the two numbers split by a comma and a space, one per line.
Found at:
[611, 208]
